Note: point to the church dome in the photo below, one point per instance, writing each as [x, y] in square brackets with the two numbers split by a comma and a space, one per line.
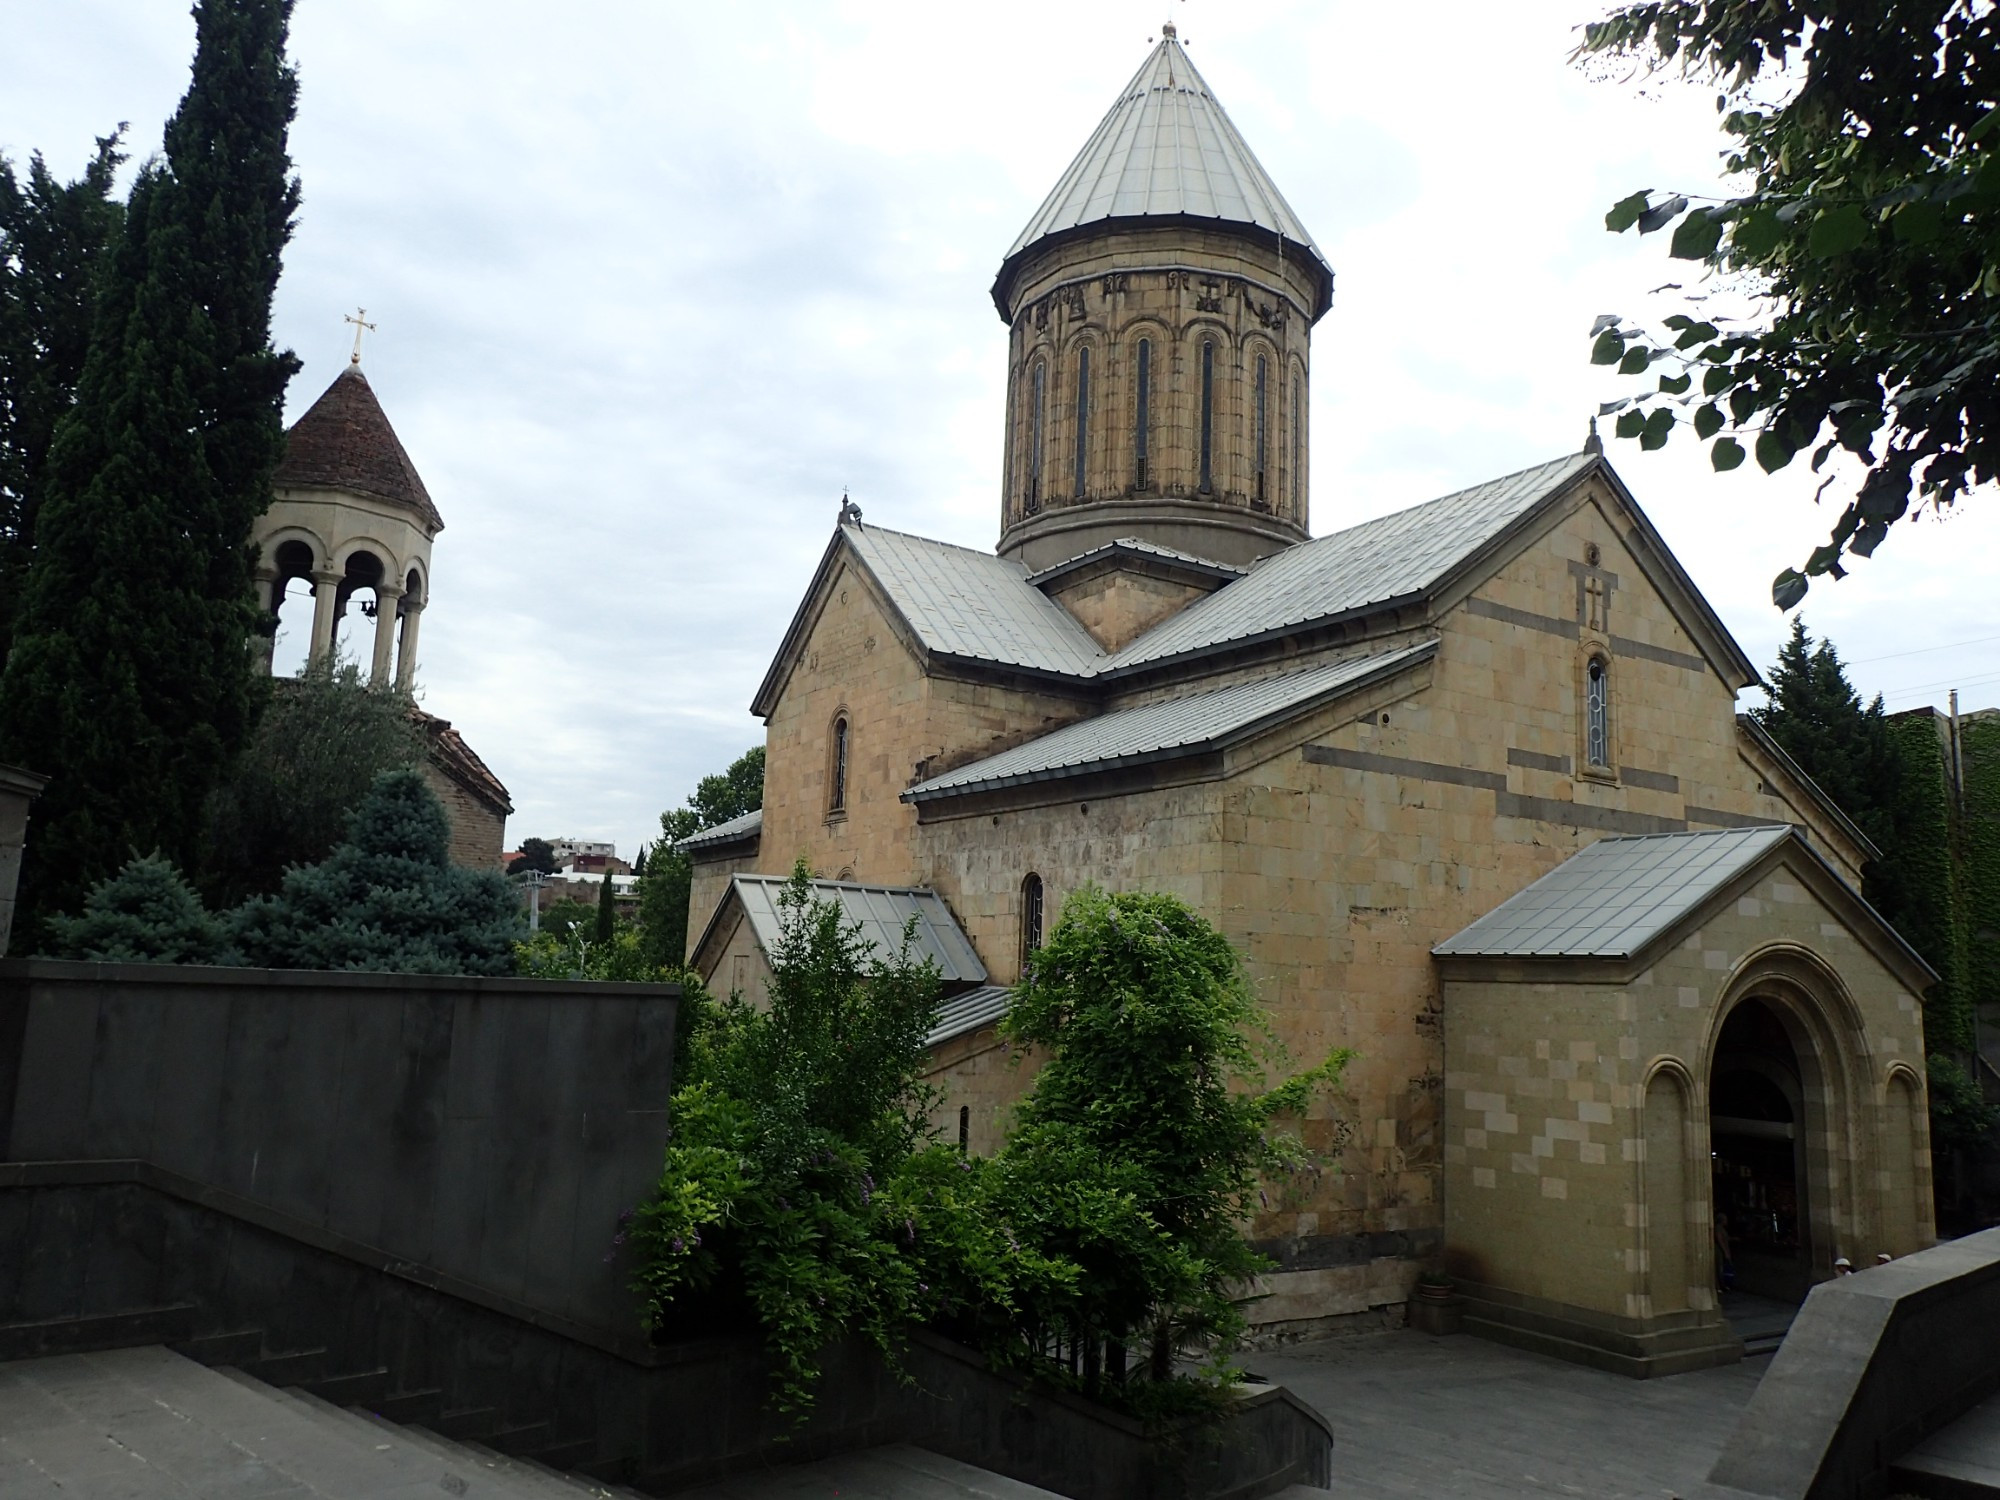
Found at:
[345, 442]
[1166, 153]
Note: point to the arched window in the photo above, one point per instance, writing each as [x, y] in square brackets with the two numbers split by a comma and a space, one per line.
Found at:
[1143, 417]
[1207, 415]
[1038, 395]
[1298, 427]
[1082, 416]
[1031, 918]
[1597, 714]
[1260, 447]
[837, 798]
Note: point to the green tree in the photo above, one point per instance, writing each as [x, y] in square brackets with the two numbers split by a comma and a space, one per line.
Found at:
[536, 854]
[54, 238]
[1868, 230]
[323, 739]
[387, 899]
[147, 913]
[569, 918]
[1816, 715]
[128, 680]
[607, 911]
[1139, 1153]
[663, 893]
[789, 1123]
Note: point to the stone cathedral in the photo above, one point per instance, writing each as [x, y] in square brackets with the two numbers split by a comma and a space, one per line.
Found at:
[1466, 785]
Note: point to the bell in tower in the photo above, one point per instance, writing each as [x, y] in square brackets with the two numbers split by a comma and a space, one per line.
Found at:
[1161, 303]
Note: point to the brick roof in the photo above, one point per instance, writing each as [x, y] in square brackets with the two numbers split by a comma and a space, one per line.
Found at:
[345, 442]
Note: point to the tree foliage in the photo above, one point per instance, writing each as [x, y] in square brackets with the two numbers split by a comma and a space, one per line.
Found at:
[1869, 232]
[387, 899]
[806, 1193]
[1819, 719]
[321, 742]
[669, 877]
[536, 854]
[54, 238]
[147, 913]
[128, 680]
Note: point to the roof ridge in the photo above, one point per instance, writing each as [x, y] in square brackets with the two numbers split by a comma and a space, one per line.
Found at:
[930, 541]
[1459, 493]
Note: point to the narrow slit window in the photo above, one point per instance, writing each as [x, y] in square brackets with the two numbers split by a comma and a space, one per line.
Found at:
[1082, 417]
[1298, 426]
[1037, 411]
[837, 802]
[1142, 421]
[1258, 436]
[1207, 415]
[1597, 715]
[964, 1127]
[1031, 918]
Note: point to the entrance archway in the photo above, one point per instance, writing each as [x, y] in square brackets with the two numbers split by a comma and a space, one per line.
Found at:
[1763, 1093]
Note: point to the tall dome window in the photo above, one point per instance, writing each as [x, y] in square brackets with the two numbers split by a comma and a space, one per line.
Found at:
[1031, 918]
[1038, 404]
[836, 800]
[1207, 415]
[1298, 427]
[1143, 416]
[1082, 417]
[1597, 714]
[1260, 442]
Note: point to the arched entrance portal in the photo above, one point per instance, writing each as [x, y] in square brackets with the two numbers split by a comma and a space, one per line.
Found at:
[1761, 1095]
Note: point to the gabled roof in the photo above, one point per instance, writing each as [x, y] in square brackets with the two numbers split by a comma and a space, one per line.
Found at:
[345, 442]
[1761, 737]
[1620, 897]
[1141, 551]
[452, 756]
[1613, 898]
[1402, 556]
[736, 831]
[959, 604]
[1166, 151]
[1188, 725]
[880, 910]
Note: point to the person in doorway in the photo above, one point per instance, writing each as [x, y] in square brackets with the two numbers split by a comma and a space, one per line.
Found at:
[1843, 1266]
[1884, 1258]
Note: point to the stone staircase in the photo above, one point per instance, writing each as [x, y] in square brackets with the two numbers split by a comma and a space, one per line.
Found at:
[151, 1424]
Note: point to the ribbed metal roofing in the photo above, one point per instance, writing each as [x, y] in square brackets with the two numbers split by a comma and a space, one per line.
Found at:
[1166, 150]
[734, 831]
[1158, 731]
[1139, 547]
[1612, 899]
[881, 912]
[969, 1012]
[973, 604]
[1395, 557]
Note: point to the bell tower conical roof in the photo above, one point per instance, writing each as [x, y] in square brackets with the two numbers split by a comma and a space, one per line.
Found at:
[1167, 151]
[345, 442]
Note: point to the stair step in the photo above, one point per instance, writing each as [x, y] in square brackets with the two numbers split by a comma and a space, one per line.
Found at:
[119, 1330]
[467, 1424]
[563, 1458]
[543, 1482]
[405, 1406]
[362, 1388]
[242, 1347]
[524, 1438]
[294, 1367]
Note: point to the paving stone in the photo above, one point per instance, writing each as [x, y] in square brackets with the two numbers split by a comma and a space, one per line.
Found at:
[892, 1473]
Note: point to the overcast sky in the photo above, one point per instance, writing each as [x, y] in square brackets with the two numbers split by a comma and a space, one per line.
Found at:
[655, 282]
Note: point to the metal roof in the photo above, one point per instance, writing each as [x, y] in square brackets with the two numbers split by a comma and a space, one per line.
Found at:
[1613, 898]
[1159, 731]
[1145, 549]
[1397, 556]
[734, 831]
[1166, 150]
[969, 1012]
[881, 912]
[972, 604]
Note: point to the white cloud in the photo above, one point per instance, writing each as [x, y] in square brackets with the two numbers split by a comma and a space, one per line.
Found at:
[656, 282]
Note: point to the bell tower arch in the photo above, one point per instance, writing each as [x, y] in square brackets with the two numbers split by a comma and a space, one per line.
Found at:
[1160, 306]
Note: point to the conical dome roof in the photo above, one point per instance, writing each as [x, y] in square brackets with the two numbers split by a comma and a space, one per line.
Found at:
[1167, 150]
[345, 442]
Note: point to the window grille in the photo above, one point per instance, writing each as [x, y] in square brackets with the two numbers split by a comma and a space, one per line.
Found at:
[1597, 717]
[1082, 417]
[1207, 415]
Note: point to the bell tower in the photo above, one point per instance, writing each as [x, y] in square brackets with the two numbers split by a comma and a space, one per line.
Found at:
[1161, 305]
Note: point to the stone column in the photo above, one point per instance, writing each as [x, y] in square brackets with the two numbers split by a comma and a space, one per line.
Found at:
[406, 658]
[326, 588]
[17, 789]
[265, 642]
[387, 597]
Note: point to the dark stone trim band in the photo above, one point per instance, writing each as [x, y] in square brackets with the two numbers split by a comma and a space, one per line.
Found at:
[1716, 817]
[1652, 781]
[1526, 619]
[1622, 646]
[1583, 815]
[1393, 765]
[1534, 760]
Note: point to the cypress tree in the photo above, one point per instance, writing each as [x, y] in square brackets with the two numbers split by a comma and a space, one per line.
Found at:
[130, 681]
[607, 913]
[54, 238]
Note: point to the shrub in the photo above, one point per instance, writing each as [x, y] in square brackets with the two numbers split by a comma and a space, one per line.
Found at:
[387, 899]
[147, 913]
